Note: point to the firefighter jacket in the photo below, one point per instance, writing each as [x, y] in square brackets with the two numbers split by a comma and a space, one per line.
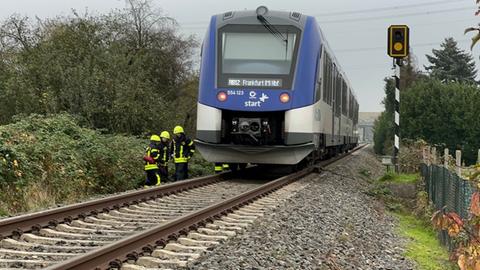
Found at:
[164, 154]
[153, 151]
[182, 149]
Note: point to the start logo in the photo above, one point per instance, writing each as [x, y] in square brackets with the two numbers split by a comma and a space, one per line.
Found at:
[253, 103]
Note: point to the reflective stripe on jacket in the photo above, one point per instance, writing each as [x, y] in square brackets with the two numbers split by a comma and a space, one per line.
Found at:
[164, 154]
[182, 149]
[154, 153]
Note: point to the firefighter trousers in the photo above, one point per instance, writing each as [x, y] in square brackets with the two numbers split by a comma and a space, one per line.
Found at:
[153, 177]
[181, 171]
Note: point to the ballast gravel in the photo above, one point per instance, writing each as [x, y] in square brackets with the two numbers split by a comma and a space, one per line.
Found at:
[330, 224]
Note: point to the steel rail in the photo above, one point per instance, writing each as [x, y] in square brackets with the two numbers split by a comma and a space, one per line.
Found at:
[15, 226]
[113, 255]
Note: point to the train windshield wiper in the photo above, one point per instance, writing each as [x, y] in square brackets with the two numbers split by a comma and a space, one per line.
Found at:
[272, 29]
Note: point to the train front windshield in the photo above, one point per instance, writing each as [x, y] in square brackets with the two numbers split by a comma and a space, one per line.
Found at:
[252, 54]
[259, 53]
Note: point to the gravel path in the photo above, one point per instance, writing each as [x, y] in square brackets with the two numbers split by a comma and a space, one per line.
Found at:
[331, 224]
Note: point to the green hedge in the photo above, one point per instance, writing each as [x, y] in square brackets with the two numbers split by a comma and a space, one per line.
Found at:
[48, 160]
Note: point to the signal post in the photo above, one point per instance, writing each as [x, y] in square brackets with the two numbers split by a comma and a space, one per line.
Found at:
[398, 48]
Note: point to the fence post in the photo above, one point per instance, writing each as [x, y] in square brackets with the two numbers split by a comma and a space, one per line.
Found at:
[478, 157]
[429, 159]
[458, 159]
[445, 158]
[434, 155]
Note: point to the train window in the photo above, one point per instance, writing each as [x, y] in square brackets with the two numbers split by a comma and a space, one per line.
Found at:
[331, 91]
[344, 98]
[330, 81]
[355, 113]
[258, 53]
[325, 74]
[350, 104]
[318, 84]
[251, 56]
[338, 93]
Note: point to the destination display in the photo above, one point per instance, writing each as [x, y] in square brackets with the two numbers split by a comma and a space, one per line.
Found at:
[255, 82]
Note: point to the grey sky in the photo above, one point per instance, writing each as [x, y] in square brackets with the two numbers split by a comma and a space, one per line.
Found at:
[358, 39]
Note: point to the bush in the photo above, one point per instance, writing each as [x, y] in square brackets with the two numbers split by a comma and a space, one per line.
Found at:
[47, 160]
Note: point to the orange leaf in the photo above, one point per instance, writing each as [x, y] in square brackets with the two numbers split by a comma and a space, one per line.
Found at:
[455, 217]
[462, 264]
[453, 230]
[477, 265]
[437, 219]
[475, 204]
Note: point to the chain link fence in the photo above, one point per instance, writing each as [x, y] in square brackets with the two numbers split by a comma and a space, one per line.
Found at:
[446, 189]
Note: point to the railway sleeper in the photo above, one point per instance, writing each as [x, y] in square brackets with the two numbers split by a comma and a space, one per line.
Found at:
[153, 210]
[208, 231]
[223, 227]
[79, 236]
[29, 264]
[140, 216]
[121, 219]
[184, 248]
[221, 222]
[168, 254]
[13, 244]
[197, 243]
[24, 255]
[73, 229]
[31, 238]
[153, 262]
[95, 226]
[133, 225]
[206, 237]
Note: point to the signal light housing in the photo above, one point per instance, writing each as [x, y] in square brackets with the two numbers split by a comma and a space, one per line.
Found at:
[222, 96]
[398, 41]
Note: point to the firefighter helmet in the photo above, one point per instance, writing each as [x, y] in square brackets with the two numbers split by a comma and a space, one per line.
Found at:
[178, 130]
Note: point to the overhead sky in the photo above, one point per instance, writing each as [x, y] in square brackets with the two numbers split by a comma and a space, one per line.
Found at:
[356, 30]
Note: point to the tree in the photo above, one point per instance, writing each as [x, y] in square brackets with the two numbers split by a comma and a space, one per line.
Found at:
[383, 126]
[121, 72]
[443, 114]
[450, 64]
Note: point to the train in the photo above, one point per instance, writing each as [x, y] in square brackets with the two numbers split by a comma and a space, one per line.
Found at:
[271, 91]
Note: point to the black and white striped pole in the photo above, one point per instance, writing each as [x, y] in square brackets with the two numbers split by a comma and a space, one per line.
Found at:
[396, 141]
[398, 48]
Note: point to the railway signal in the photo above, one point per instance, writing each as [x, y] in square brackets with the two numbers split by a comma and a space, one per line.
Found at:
[398, 39]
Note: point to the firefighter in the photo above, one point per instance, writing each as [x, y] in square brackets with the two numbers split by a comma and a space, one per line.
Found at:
[151, 158]
[164, 156]
[182, 149]
[220, 167]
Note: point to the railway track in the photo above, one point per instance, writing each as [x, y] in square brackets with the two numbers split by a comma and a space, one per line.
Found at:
[158, 227]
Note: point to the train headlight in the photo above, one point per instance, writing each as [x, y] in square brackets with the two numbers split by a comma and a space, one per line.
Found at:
[284, 98]
[222, 96]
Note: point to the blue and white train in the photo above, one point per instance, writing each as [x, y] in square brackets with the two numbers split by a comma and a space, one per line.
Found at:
[271, 91]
